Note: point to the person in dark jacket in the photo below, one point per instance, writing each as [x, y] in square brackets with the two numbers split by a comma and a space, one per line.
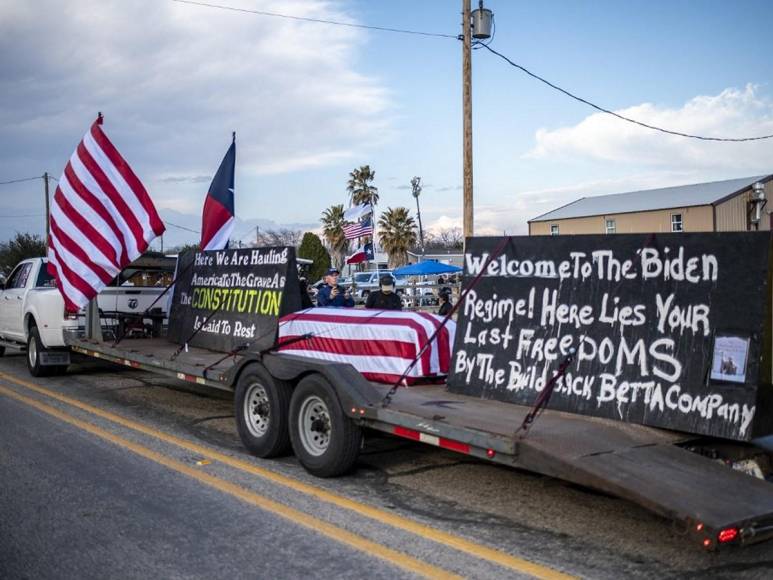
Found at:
[331, 294]
[445, 301]
[385, 298]
[305, 298]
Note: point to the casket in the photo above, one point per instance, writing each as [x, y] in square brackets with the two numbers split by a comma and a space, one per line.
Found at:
[381, 344]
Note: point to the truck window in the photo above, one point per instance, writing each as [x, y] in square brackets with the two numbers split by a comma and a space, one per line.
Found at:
[18, 278]
[45, 280]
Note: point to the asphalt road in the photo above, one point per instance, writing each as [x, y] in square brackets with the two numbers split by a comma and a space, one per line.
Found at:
[108, 473]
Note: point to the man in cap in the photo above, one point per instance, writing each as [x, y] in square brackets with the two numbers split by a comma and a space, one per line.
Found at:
[385, 298]
[331, 294]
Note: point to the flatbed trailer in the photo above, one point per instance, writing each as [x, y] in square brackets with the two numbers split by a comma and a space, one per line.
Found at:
[317, 409]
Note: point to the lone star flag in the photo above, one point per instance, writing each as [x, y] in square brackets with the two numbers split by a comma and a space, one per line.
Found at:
[361, 254]
[101, 219]
[217, 223]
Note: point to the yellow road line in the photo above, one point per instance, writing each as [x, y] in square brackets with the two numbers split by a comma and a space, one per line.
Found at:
[457, 542]
[334, 532]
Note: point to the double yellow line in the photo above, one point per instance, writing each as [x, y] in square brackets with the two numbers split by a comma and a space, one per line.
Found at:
[392, 556]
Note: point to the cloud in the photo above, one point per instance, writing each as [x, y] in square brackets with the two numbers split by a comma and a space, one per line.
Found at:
[174, 80]
[731, 113]
[186, 179]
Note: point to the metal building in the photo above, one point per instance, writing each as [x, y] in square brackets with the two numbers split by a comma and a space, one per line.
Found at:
[719, 206]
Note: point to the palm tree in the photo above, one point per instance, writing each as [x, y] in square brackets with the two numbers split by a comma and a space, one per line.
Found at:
[397, 233]
[333, 232]
[360, 188]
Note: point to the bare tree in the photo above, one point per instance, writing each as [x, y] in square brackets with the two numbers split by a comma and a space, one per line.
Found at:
[445, 239]
[280, 237]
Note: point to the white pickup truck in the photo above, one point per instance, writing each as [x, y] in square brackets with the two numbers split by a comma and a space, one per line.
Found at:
[32, 314]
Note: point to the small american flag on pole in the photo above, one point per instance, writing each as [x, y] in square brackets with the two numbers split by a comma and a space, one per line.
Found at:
[358, 229]
[101, 220]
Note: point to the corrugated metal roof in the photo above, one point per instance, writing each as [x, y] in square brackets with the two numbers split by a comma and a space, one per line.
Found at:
[651, 199]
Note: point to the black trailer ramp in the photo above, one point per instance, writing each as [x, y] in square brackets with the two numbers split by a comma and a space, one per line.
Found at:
[638, 463]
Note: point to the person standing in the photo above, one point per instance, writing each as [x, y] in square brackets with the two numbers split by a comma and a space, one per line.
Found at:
[385, 298]
[445, 301]
[331, 294]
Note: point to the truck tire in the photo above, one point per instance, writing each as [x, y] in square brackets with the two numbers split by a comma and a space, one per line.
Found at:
[324, 439]
[261, 407]
[2, 350]
[34, 348]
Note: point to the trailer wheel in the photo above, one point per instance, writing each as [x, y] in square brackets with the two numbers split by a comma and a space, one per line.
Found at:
[324, 439]
[261, 407]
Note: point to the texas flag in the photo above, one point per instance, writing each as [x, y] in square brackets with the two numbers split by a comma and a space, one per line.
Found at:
[217, 223]
[361, 254]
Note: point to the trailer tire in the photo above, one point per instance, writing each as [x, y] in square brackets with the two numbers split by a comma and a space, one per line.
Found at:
[261, 407]
[324, 439]
[34, 348]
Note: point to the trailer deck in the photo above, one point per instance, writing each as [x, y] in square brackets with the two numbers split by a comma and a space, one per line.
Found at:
[646, 465]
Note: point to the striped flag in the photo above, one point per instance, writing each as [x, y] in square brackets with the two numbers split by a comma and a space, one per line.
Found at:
[381, 344]
[358, 229]
[101, 220]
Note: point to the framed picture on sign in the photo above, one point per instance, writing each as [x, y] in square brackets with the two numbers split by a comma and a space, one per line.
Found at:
[729, 358]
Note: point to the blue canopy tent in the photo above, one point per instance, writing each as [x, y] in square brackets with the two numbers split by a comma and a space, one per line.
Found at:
[427, 268]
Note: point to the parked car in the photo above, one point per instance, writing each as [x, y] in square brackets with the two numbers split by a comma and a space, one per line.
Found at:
[367, 282]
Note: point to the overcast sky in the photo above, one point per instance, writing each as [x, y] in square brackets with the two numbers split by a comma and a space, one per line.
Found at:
[309, 102]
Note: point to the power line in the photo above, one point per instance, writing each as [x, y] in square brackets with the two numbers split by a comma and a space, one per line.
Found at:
[316, 20]
[619, 116]
[182, 227]
[21, 180]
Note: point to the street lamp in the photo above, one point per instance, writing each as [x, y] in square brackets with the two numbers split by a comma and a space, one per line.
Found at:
[757, 203]
[416, 191]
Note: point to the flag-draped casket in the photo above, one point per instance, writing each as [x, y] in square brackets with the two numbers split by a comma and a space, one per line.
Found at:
[381, 344]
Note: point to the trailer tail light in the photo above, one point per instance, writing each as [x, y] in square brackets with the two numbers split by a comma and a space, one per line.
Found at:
[699, 527]
[490, 453]
[707, 543]
[727, 535]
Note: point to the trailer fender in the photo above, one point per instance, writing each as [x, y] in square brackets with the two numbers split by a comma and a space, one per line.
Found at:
[354, 392]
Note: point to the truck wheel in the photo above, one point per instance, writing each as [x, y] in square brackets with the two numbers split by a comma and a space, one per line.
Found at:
[261, 405]
[324, 439]
[34, 348]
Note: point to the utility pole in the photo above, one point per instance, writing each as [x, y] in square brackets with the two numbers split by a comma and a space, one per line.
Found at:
[48, 206]
[416, 190]
[467, 119]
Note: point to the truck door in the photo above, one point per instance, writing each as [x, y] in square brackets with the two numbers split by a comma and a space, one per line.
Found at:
[12, 302]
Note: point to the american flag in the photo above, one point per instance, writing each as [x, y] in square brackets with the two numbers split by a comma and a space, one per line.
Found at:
[381, 344]
[358, 229]
[102, 218]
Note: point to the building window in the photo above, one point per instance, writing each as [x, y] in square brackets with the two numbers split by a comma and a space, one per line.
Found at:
[554, 230]
[611, 227]
[676, 222]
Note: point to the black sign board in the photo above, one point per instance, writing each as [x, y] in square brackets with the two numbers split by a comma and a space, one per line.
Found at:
[670, 330]
[226, 299]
